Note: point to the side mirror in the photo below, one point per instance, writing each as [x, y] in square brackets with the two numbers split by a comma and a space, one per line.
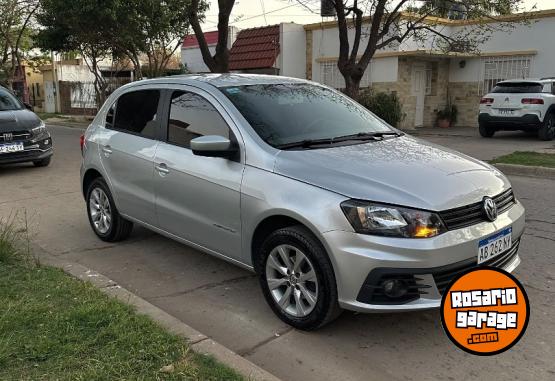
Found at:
[28, 106]
[213, 146]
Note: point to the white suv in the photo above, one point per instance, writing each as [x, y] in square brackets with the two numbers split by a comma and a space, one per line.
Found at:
[527, 105]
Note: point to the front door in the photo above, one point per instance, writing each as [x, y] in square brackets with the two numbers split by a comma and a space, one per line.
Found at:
[419, 91]
[198, 198]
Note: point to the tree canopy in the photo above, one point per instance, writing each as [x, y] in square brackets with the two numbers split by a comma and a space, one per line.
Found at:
[118, 30]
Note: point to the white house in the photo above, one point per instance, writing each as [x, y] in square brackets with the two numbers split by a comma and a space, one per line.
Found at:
[424, 78]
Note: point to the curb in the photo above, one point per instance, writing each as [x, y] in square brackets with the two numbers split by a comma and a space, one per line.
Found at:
[526, 170]
[197, 341]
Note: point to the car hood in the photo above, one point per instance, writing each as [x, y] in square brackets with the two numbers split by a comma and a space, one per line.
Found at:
[18, 120]
[402, 171]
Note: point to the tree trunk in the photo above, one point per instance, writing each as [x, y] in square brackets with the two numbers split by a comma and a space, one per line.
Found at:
[352, 86]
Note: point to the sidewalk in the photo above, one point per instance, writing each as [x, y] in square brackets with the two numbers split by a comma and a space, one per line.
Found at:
[76, 121]
[435, 131]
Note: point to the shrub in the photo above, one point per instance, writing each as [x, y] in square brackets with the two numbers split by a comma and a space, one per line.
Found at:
[384, 105]
[449, 112]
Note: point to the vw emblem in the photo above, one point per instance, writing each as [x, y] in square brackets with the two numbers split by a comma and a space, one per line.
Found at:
[8, 136]
[490, 209]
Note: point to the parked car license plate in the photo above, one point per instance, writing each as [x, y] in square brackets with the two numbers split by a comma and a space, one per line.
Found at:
[494, 245]
[7, 148]
[506, 111]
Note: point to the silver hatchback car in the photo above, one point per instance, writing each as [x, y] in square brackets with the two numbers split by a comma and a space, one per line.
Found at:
[330, 206]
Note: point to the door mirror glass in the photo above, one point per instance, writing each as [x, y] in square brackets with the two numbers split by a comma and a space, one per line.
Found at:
[213, 146]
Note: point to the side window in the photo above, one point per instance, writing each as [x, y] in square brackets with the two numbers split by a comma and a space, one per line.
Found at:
[192, 116]
[136, 113]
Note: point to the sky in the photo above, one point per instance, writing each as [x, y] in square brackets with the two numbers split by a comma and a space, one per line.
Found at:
[252, 13]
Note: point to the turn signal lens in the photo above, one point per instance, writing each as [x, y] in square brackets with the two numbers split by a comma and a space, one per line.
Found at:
[82, 142]
[425, 231]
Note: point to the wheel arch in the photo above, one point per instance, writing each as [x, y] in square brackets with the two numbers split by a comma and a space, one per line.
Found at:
[278, 220]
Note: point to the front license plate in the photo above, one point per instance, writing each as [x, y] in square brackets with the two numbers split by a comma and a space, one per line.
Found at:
[7, 148]
[494, 245]
[507, 112]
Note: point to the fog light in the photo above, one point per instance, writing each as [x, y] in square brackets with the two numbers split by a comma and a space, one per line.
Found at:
[394, 288]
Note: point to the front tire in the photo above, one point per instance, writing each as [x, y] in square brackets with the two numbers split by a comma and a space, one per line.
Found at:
[486, 131]
[104, 217]
[547, 130]
[297, 278]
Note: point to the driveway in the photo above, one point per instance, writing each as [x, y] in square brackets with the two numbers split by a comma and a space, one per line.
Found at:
[225, 302]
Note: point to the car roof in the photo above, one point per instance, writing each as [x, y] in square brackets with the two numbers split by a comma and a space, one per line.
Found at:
[223, 80]
[531, 80]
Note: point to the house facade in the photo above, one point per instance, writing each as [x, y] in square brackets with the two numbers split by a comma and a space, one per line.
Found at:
[425, 79]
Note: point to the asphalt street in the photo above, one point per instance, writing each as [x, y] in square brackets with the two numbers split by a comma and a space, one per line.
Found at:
[225, 302]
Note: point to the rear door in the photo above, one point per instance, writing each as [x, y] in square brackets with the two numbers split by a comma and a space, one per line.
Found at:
[127, 150]
[198, 198]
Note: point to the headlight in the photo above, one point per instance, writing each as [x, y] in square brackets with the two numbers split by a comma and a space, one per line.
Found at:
[39, 130]
[392, 221]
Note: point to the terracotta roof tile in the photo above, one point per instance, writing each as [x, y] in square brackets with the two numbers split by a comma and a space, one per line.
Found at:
[255, 48]
[190, 40]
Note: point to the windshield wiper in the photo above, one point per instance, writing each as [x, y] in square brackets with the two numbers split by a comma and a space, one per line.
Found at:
[367, 136]
[305, 143]
[338, 139]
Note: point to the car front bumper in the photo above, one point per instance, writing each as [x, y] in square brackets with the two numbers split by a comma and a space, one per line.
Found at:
[33, 151]
[434, 261]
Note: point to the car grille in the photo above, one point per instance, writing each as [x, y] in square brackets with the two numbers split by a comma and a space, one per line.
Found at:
[473, 214]
[444, 277]
[14, 136]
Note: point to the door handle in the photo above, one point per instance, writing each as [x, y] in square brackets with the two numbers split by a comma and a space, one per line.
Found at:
[162, 169]
[107, 150]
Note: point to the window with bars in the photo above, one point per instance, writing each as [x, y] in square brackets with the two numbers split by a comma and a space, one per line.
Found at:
[496, 69]
[331, 76]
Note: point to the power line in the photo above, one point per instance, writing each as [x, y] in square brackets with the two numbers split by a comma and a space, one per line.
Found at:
[263, 11]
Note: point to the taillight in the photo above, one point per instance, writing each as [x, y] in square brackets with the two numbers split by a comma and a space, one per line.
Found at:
[486, 101]
[82, 142]
[532, 101]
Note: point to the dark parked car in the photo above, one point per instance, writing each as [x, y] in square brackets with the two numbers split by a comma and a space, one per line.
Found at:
[23, 136]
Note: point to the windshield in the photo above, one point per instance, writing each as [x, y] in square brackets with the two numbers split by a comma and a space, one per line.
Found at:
[288, 113]
[8, 102]
[518, 87]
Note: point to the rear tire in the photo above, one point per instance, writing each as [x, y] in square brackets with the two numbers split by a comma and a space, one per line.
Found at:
[547, 130]
[104, 217]
[486, 131]
[42, 163]
[304, 291]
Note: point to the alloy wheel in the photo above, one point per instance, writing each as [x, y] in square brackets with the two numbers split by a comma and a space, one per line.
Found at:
[100, 210]
[292, 280]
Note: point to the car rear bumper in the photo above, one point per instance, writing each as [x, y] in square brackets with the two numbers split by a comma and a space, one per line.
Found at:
[530, 121]
[360, 260]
